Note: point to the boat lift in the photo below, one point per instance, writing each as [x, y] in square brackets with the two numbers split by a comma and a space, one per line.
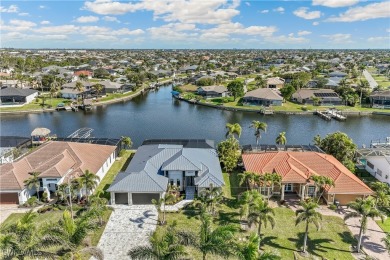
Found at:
[81, 133]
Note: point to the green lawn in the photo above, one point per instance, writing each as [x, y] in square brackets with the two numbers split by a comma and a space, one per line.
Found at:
[119, 165]
[385, 226]
[47, 217]
[37, 105]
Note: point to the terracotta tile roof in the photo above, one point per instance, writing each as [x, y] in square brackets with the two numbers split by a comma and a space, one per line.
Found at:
[55, 159]
[297, 167]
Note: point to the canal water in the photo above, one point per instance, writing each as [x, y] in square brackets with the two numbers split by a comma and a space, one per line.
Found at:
[157, 115]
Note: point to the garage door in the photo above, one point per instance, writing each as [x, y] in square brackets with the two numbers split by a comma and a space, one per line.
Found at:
[121, 198]
[9, 198]
[144, 198]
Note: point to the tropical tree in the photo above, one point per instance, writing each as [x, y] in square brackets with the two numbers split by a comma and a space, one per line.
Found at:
[217, 241]
[341, 147]
[268, 180]
[236, 88]
[211, 196]
[54, 86]
[97, 207]
[80, 87]
[364, 209]
[25, 240]
[321, 183]
[261, 214]
[233, 129]
[287, 91]
[165, 245]
[308, 215]
[228, 152]
[382, 191]
[249, 249]
[89, 181]
[127, 142]
[33, 182]
[160, 206]
[246, 199]
[248, 178]
[386, 241]
[258, 126]
[98, 88]
[281, 139]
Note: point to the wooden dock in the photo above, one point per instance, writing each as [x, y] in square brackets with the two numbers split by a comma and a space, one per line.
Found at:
[323, 115]
[336, 115]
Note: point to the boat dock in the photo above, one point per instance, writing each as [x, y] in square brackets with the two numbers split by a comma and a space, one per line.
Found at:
[323, 115]
[336, 114]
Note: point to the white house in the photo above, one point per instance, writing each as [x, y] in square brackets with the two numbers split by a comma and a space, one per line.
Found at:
[377, 162]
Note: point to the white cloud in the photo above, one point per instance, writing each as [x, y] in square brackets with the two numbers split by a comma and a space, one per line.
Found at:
[264, 11]
[304, 13]
[388, 30]
[42, 7]
[185, 11]
[302, 33]
[125, 31]
[61, 29]
[248, 4]
[338, 38]
[315, 23]
[283, 39]
[363, 13]
[10, 9]
[22, 23]
[99, 37]
[23, 14]
[45, 22]
[279, 10]
[379, 39]
[335, 3]
[110, 19]
[87, 19]
[237, 28]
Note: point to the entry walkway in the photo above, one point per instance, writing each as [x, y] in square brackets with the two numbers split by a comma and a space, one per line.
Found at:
[127, 228]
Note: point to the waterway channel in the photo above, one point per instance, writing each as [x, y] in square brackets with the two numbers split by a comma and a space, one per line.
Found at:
[158, 115]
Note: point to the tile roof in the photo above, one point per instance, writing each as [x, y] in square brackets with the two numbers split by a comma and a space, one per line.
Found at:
[298, 167]
[55, 159]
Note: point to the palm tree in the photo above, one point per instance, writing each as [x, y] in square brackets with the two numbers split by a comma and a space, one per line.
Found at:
[247, 199]
[210, 197]
[308, 215]
[98, 88]
[161, 203]
[258, 126]
[281, 139]
[54, 86]
[364, 208]
[261, 213]
[89, 181]
[247, 178]
[248, 250]
[217, 241]
[381, 195]
[126, 141]
[33, 182]
[80, 87]
[233, 129]
[165, 245]
[270, 179]
[24, 239]
[386, 241]
[321, 183]
[97, 207]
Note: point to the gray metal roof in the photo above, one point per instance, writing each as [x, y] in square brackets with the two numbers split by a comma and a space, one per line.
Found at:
[143, 172]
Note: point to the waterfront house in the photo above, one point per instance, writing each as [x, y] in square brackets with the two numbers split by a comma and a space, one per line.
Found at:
[10, 96]
[275, 83]
[57, 162]
[327, 97]
[69, 89]
[262, 97]
[296, 169]
[213, 91]
[190, 165]
[376, 161]
[380, 99]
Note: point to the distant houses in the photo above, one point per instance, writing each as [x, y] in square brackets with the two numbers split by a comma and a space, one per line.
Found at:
[380, 99]
[275, 83]
[10, 96]
[324, 97]
[262, 97]
[212, 91]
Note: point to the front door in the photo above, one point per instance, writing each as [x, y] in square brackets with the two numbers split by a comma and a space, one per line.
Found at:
[288, 187]
[190, 181]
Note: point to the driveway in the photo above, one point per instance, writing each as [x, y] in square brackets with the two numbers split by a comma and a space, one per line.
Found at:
[128, 227]
[8, 209]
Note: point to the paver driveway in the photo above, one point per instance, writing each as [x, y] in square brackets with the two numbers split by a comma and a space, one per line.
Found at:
[128, 227]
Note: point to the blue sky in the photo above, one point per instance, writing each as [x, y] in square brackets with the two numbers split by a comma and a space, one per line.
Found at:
[195, 24]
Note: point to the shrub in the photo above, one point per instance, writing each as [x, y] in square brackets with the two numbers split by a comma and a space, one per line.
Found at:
[304, 108]
[45, 197]
[45, 209]
[332, 207]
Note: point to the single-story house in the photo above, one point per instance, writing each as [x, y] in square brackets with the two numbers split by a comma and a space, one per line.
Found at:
[296, 169]
[57, 162]
[380, 99]
[16, 96]
[377, 162]
[275, 83]
[263, 97]
[333, 82]
[213, 91]
[326, 96]
[338, 74]
[190, 165]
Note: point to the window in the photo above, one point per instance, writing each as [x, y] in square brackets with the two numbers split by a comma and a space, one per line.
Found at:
[311, 190]
[370, 165]
[171, 181]
[178, 183]
[379, 172]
